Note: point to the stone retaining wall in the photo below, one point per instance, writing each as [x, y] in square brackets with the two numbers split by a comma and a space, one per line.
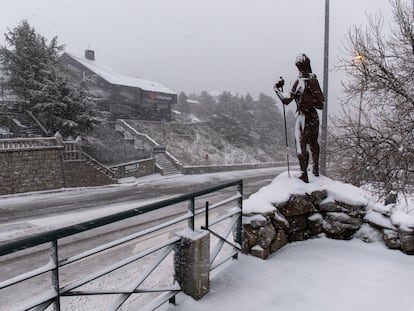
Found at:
[32, 169]
[306, 216]
[233, 167]
[43, 168]
[83, 174]
[135, 169]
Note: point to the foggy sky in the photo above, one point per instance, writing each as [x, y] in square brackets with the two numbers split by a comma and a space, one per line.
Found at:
[193, 45]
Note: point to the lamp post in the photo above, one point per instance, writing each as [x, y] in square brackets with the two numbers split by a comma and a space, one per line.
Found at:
[324, 136]
[2, 87]
[359, 58]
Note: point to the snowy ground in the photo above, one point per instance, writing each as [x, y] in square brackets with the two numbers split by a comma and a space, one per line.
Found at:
[314, 275]
[318, 274]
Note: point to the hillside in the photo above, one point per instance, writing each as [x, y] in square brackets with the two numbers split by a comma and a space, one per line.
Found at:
[230, 130]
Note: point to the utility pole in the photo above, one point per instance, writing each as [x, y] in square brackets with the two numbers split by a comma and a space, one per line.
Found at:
[2, 85]
[324, 136]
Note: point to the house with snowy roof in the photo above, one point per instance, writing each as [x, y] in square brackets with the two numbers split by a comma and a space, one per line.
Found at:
[119, 95]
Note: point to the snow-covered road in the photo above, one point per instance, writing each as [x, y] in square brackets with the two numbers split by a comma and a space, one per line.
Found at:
[30, 213]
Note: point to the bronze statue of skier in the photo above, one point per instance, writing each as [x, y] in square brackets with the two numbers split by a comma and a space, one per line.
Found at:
[308, 96]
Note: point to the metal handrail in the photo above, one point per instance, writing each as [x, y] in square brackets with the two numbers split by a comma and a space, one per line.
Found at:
[116, 266]
[29, 139]
[28, 143]
[121, 241]
[49, 236]
[99, 164]
[70, 289]
[148, 139]
[236, 221]
[215, 251]
[177, 163]
[20, 278]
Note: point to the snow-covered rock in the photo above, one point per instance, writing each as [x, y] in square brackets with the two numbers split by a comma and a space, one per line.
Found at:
[289, 210]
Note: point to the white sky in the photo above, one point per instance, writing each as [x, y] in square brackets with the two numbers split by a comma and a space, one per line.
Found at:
[194, 45]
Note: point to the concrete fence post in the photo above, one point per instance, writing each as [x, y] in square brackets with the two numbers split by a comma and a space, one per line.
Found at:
[192, 262]
[59, 139]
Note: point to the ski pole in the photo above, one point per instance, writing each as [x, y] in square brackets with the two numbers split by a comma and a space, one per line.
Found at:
[279, 88]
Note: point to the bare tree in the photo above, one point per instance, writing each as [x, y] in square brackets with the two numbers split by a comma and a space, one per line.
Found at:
[374, 135]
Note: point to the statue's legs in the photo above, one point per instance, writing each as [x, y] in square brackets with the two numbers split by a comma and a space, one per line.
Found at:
[311, 134]
[301, 138]
[303, 162]
[315, 158]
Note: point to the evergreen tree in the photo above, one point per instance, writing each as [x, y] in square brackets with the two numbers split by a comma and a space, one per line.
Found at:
[247, 123]
[207, 99]
[36, 76]
[208, 103]
[182, 104]
[73, 112]
[182, 98]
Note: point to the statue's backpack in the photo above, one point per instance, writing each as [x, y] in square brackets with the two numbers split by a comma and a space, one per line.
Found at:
[311, 96]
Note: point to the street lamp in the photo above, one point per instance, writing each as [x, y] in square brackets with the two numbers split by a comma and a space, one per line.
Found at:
[359, 58]
[2, 87]
[324, 136]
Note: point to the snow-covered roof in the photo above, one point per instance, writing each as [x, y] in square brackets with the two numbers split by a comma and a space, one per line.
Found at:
[192, 101]
[113, 77]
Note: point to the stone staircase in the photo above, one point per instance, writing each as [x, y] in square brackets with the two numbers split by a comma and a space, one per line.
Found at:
[167, 167]
[33, 125]
[26, 124]
[83, 170]
[164, 161]
[100, 168]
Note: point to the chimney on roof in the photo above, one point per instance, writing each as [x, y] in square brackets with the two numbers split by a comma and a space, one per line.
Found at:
[90, 54]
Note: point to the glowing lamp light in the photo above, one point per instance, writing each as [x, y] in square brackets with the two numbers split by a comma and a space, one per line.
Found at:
[359, 58]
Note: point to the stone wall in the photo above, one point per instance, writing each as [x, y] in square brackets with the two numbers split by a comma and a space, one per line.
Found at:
[34, 169]
[232, 167]
[310, 215]
[135, 169]
[83, 174]
[43, 168]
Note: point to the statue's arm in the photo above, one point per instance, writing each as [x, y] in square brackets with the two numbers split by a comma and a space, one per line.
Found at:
[287, 97]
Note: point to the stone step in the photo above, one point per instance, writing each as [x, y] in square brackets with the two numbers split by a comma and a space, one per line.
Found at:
[167, 167]
[101, 170]
[30, 126]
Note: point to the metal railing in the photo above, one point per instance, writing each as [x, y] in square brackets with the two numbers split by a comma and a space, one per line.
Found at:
[99, 165]
[28, 143]
[235, 223]
[73, 152]
[151, 142]
[55, 265]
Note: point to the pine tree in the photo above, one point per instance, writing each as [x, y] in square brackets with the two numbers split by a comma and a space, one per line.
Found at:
[36, 76]
[182, 98]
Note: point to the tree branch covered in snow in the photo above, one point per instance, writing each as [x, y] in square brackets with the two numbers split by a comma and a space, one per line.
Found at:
[36, 76]
[373, 139]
